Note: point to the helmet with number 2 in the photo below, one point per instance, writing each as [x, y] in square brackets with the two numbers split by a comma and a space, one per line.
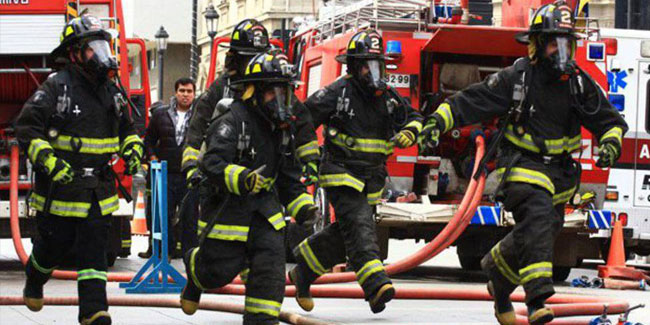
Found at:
[366, 50]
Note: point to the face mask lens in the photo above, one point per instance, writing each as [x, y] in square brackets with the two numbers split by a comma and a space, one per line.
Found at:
[376, 74]
[282, 102]
[102, 51]
[563, 52]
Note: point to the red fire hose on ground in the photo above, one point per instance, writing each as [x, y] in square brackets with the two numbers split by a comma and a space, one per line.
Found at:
[563, 305]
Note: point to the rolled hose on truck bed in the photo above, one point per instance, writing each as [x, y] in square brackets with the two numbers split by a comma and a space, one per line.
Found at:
[563, 305]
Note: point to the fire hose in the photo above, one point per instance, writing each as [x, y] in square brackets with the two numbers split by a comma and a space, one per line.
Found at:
[562, 305]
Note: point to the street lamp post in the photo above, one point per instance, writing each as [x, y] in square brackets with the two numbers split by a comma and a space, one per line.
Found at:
[211, 23]
[161, 40]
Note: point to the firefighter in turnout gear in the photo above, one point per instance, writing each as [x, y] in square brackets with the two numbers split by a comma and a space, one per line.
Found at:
[252, 169]
[542, 101]
[362, 121]
[70, 128]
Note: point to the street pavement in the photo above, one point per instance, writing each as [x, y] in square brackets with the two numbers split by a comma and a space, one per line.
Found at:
[441, 272]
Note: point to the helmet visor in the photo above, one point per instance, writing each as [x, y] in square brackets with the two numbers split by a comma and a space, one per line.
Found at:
[376, 74]
[564, 55]
[282, 103]
[102, 54]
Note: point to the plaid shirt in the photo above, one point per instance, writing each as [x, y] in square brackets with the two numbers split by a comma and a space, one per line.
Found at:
[173, 113]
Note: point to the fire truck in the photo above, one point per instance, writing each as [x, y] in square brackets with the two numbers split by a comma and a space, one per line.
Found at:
[432, 56]
[30, 30]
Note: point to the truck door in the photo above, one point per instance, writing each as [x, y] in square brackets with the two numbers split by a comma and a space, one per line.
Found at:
[139, 82]
[642, 170]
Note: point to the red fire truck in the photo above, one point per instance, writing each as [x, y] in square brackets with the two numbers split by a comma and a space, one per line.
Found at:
[432, 57]
[29, 30]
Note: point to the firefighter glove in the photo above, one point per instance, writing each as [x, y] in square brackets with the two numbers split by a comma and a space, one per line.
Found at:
[310, 173]
[307, 217]
[430, 135]
[132, 156]
[404, 139]
[255, 182]
[608, 153]
[192, 177]
[58, 169]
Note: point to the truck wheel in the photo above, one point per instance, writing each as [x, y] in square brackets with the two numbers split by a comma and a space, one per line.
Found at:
[323, 205]
[560, 273]
[470, 262]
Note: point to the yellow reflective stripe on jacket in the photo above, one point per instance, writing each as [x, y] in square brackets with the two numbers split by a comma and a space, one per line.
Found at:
[613, 133]
[307, 149]
[60, 208]
[277, 221]
[378, 146]
[129, 140]
[97, 146]
[195, 279]
[231, 175]
[503, 266]
[563, 197]
[536, 270]
[257, 305]
[553, 146]
[525, 175]
[371, 267]
[109, 205]
[374, 198]
[299, 202]
[190, 173]
[91, 274]
[39, 267]
[225, 232]
[189, 154]
[444, 111]
[341, 180]
[414, 124]
[35, 148]
[310, 258]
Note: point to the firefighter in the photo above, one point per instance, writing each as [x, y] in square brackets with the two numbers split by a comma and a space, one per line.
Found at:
[542, 101]
[248, 157]
[362, 118]
[70, 129]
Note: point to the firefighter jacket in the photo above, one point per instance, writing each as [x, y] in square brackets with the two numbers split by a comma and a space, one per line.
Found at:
[241, 141]
[95, 127]
[549, 126]
[358, 131]
[306, 144]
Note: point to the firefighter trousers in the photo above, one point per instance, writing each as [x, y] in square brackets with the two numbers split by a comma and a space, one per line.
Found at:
[89, 237]
[217, 262]
[524, 256]
[353, 235]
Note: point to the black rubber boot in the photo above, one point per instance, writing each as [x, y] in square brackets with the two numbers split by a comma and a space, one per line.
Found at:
[503, 309]
[303, 296]
[383, 295]
[538, 313]
[98, 318]
[191, 295]
[33, 295]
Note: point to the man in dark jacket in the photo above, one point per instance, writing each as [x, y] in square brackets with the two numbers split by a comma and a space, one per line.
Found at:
[164, 140]
[250, 165]
[360, 115]
[70, 129]
[542, 100]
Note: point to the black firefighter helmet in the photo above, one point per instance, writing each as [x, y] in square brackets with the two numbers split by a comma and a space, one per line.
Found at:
[551, 19]
[365, 45]
[249, 38]
[77, 30]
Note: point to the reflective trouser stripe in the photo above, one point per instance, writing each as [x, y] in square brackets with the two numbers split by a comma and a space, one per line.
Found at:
[243, 275]
[368, 269]
[563, 197]
[277, 221]
[444, 111]
[97, 146]
[310, 258]
[195, 279]
[341, 180]
[299, 202]
[225, 232]
[615, 132]
[231, 174]
[126, 243]
[40, 268]
[375, 198]
[257, 305]
[414, 124]
[189, 154]
[536, 270]
[129, 140]
[524, 175]
[35, 148]
[91, 274]
[109, 205]
[308, 149]
[60, 208]
[503, 266]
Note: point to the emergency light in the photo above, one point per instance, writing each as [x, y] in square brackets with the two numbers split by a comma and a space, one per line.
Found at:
[617, 101]
[596, 51]
[394, 48]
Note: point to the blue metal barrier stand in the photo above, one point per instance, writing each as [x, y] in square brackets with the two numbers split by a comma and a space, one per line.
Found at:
[161, 269]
